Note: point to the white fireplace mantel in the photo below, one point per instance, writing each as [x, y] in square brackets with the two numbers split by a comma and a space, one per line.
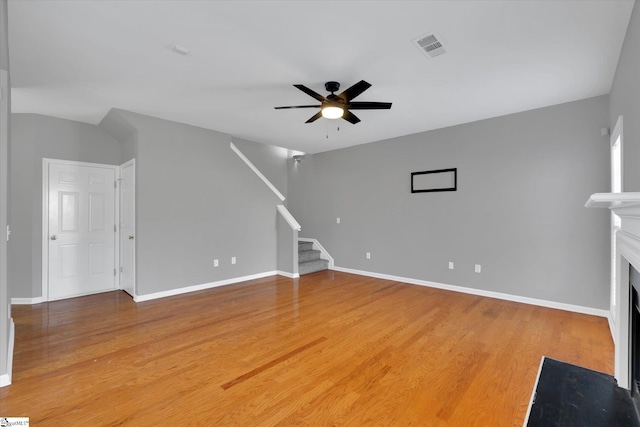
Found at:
[627, 207]
[613, 200]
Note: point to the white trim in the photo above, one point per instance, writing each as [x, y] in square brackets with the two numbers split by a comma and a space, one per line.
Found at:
[45, 229]
[618, 133]
[116, 220]
[27, 301]
[45, 219]
[131, 162]
[324, 254]
[185, 290]
[286, 274]
[613, 200]
[128, 162]
[490, 294]
[5, 113]
[628, 249]
[289, 218]
[5, 379]
[627, 207]
[616, 136]
[532, 400]
[612, 327]
[257, 172]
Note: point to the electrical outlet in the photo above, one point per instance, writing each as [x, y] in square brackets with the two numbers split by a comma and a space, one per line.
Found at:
[233, 260]
[215, 263]
[368, 256]
[478, 268]
[450, 265]
[338, 220]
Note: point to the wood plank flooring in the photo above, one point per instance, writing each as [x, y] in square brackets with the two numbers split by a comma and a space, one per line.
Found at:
[329, 348]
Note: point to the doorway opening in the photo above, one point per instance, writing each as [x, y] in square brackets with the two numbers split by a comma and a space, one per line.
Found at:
[82, 232]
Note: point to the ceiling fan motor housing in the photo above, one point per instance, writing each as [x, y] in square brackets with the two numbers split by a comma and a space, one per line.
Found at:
[332, 86]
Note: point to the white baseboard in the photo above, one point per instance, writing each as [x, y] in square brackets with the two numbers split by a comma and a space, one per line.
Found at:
[156, 295]
[289, 275]
[27, 301]
[508, 297]
[5, 379]
[480, 292]
[179, 291]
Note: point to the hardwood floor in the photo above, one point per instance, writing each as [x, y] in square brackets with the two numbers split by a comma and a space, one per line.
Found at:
[329, 348]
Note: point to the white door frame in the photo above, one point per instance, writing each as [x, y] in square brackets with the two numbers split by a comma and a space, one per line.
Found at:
[131, 162]
[45, 219]
[615, 135]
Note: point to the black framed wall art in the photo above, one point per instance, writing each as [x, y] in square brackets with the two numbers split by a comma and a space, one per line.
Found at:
[434, 180]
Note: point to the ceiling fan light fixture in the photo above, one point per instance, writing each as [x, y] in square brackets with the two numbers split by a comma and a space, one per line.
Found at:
[332, 112]
[339, 106]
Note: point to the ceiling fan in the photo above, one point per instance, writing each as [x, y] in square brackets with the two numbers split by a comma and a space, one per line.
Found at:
[337, 106]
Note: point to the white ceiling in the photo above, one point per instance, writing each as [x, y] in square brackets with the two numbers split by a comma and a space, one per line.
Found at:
[79, 59]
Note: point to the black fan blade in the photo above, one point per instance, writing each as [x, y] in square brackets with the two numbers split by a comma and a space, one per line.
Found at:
[298, 106]
[355, 90]
[311, 93]
[369, 105]
[315, 117]
[350, 117]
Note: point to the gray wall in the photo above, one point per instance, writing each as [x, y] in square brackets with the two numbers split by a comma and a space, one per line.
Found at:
[519, 210]
[5, 308]
[196, 200]
[34, 137]
[625, 101]
[124, 132]
[287, 247]
[270, 160]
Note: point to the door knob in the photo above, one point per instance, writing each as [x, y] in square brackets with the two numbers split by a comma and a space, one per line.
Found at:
[54, 237]
[130, 237]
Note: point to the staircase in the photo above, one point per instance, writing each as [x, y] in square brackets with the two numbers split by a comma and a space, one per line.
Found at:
[309, 260]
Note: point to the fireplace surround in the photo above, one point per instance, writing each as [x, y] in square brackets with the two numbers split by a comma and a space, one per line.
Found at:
[627, 207]
[634, 279]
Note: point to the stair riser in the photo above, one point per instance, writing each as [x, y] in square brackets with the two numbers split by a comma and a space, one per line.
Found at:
[308, 256]
[312, 266]
[305, 246]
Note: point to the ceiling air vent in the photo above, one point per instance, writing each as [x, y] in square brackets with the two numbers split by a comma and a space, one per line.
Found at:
[429, 45]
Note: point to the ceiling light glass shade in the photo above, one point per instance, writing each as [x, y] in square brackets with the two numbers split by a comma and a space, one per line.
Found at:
[332, 112]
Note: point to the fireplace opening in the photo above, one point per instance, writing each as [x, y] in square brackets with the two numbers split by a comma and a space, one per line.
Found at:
[634, 332]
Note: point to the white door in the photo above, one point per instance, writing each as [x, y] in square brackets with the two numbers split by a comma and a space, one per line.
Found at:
[127, 228]
[81, 229]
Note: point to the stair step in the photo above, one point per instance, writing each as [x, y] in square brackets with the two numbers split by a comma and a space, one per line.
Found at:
[304, 246]
[312, 266]
[304, 256]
